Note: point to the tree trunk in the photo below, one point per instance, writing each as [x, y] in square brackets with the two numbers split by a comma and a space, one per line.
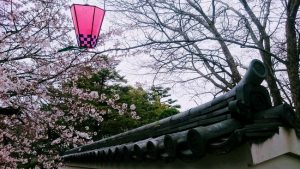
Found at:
[293, 53]
[8, 111]
[264, 43]
[271, 80]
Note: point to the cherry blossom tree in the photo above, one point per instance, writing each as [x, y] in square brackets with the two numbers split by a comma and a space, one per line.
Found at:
[34, 127]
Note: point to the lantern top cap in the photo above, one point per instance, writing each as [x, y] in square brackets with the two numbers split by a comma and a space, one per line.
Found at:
[86, 5]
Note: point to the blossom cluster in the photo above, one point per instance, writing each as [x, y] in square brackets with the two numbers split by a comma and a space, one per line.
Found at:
[39, 112]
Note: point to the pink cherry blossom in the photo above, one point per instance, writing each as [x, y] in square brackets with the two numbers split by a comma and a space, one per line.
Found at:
[39, 108]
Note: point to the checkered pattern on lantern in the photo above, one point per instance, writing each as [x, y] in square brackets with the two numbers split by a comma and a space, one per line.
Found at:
[87, 41]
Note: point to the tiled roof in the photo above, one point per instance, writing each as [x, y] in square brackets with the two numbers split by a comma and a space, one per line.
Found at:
[245, 113]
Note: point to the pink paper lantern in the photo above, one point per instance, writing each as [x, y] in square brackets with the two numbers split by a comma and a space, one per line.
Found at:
[87, 22]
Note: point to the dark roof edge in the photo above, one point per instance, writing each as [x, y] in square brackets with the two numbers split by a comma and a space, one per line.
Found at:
[243, 113]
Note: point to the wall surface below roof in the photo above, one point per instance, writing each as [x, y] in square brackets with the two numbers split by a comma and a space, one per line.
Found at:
[283, 142]
[236, 160]
[286, 161]
[279, 152]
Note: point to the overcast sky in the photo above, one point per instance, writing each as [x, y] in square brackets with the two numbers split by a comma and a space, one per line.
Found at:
[130, 67]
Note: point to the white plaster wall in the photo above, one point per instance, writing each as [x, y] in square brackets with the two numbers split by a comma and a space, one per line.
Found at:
[283, 142]
[286, 161]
